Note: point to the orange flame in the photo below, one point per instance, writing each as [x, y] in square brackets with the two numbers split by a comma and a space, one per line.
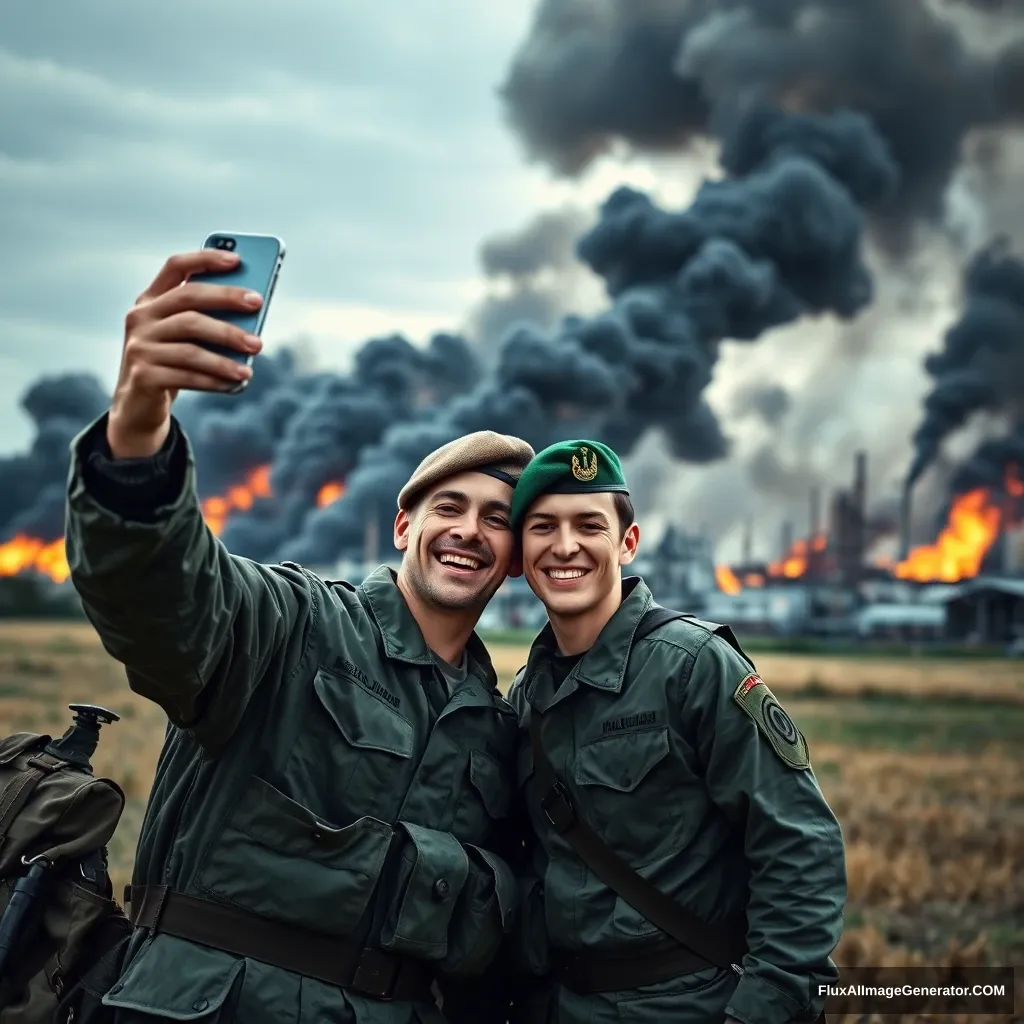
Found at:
[794, 563]
[975, 522]
[726, 580]
[24, 552]
[330, 492]
[239, 498]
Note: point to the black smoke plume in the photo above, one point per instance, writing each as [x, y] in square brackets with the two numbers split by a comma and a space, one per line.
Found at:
[980, 368]
[752, 252]
[655, 74]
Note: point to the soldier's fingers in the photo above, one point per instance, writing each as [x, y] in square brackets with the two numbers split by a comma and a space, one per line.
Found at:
[194, 326]
[203, 296]
[154, 377]
[179, 267]
[193, 358]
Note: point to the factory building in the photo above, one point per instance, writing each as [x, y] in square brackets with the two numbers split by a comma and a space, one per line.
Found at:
[987, 610]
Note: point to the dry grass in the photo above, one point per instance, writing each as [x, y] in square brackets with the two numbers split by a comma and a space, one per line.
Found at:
[930, 792]
[993, 680]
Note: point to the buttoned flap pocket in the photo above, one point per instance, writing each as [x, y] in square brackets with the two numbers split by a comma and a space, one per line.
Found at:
[276, 858]
[171, 979]
[367, 721]
[621, 762]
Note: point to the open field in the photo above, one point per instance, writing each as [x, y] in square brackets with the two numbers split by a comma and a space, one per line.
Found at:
[922, 761]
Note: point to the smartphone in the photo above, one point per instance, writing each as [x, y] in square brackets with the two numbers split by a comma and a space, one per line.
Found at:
[259, 264]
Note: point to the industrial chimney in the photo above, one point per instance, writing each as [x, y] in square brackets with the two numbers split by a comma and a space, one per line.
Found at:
[905, 523]
[786, 538]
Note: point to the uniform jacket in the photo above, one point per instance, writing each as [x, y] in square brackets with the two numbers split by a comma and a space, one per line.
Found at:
[719, 811]
[305, 774]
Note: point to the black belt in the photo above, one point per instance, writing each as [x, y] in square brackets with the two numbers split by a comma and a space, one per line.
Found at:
[371, 972]
[589, 972]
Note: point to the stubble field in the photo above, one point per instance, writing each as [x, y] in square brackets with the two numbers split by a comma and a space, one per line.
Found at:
[923, 762]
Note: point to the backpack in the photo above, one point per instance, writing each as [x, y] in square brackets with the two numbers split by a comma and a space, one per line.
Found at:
[61, 931]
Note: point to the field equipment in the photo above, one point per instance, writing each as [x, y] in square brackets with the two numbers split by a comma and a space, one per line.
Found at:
[61, 930]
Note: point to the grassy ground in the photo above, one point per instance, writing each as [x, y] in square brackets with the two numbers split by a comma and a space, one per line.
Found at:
[921, 759]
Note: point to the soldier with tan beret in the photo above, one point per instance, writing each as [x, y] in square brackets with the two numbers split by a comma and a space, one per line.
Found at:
[322, 838]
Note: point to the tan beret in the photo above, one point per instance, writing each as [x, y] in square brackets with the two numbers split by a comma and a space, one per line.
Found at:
[499, 455]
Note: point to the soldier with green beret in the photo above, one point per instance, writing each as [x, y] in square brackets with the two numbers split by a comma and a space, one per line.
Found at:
[325, 832]
[662, 747]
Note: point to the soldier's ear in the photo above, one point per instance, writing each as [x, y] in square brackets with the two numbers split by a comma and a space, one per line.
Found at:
[630, 542]
[402, 526]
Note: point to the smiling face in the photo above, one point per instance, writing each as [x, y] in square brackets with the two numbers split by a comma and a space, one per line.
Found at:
[456, 542]
[573, 548]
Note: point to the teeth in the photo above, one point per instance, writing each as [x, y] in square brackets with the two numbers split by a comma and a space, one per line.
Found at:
[460, 561]
[566, 574]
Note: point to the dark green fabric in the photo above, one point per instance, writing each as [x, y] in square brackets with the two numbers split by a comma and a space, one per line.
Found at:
[674, 773]
[61, 812]
[569, 467]
[305, 774]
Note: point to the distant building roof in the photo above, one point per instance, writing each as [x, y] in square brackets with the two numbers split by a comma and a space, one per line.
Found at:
[980, 584]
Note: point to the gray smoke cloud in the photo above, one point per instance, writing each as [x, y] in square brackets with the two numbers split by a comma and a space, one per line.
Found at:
[749, 254]
[535, 277]
[656, 74]
[830, 117]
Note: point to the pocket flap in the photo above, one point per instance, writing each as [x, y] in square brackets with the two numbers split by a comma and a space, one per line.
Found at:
[280, 823]
[18, 743]
[175, 979]
[365, 721]
[621, 762]
[490, 782]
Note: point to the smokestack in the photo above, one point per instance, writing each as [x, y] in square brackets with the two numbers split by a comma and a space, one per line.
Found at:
[905, 523]
[786, 538]
[748, 542]
[814, 527]
[860, 481]
[858, 517]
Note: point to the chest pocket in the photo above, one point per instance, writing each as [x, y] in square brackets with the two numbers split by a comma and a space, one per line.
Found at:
[356, 751]
[628, 788]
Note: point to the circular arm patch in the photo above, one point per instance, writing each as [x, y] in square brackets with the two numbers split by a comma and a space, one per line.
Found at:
[754, 697]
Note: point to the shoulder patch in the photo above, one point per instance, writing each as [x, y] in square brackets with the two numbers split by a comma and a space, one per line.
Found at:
[754, 697]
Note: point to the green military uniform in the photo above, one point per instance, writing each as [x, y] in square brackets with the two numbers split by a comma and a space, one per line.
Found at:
[680, 758]
[324, 780]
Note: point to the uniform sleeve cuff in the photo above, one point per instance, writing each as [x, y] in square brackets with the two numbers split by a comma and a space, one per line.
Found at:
[133, 489]
[433, 873]
[755, 1001]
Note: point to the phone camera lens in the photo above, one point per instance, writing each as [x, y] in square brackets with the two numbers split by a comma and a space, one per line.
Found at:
[229, 244]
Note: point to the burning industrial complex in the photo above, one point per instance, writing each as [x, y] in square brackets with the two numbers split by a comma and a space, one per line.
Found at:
[832, 127]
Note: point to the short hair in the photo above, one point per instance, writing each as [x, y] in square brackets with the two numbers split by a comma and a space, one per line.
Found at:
[625, 511]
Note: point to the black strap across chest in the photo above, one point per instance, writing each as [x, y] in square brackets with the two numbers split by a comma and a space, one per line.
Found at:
[722, 947]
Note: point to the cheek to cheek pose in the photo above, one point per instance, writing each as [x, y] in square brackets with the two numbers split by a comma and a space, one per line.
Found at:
[684, 865]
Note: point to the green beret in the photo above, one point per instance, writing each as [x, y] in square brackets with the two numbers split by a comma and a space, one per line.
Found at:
[569, 467]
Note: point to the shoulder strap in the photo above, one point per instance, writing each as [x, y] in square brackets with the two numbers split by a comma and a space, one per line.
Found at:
[656, 617]
[716, 946]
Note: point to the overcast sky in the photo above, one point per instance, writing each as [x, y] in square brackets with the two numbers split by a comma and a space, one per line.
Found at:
[368, 137]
